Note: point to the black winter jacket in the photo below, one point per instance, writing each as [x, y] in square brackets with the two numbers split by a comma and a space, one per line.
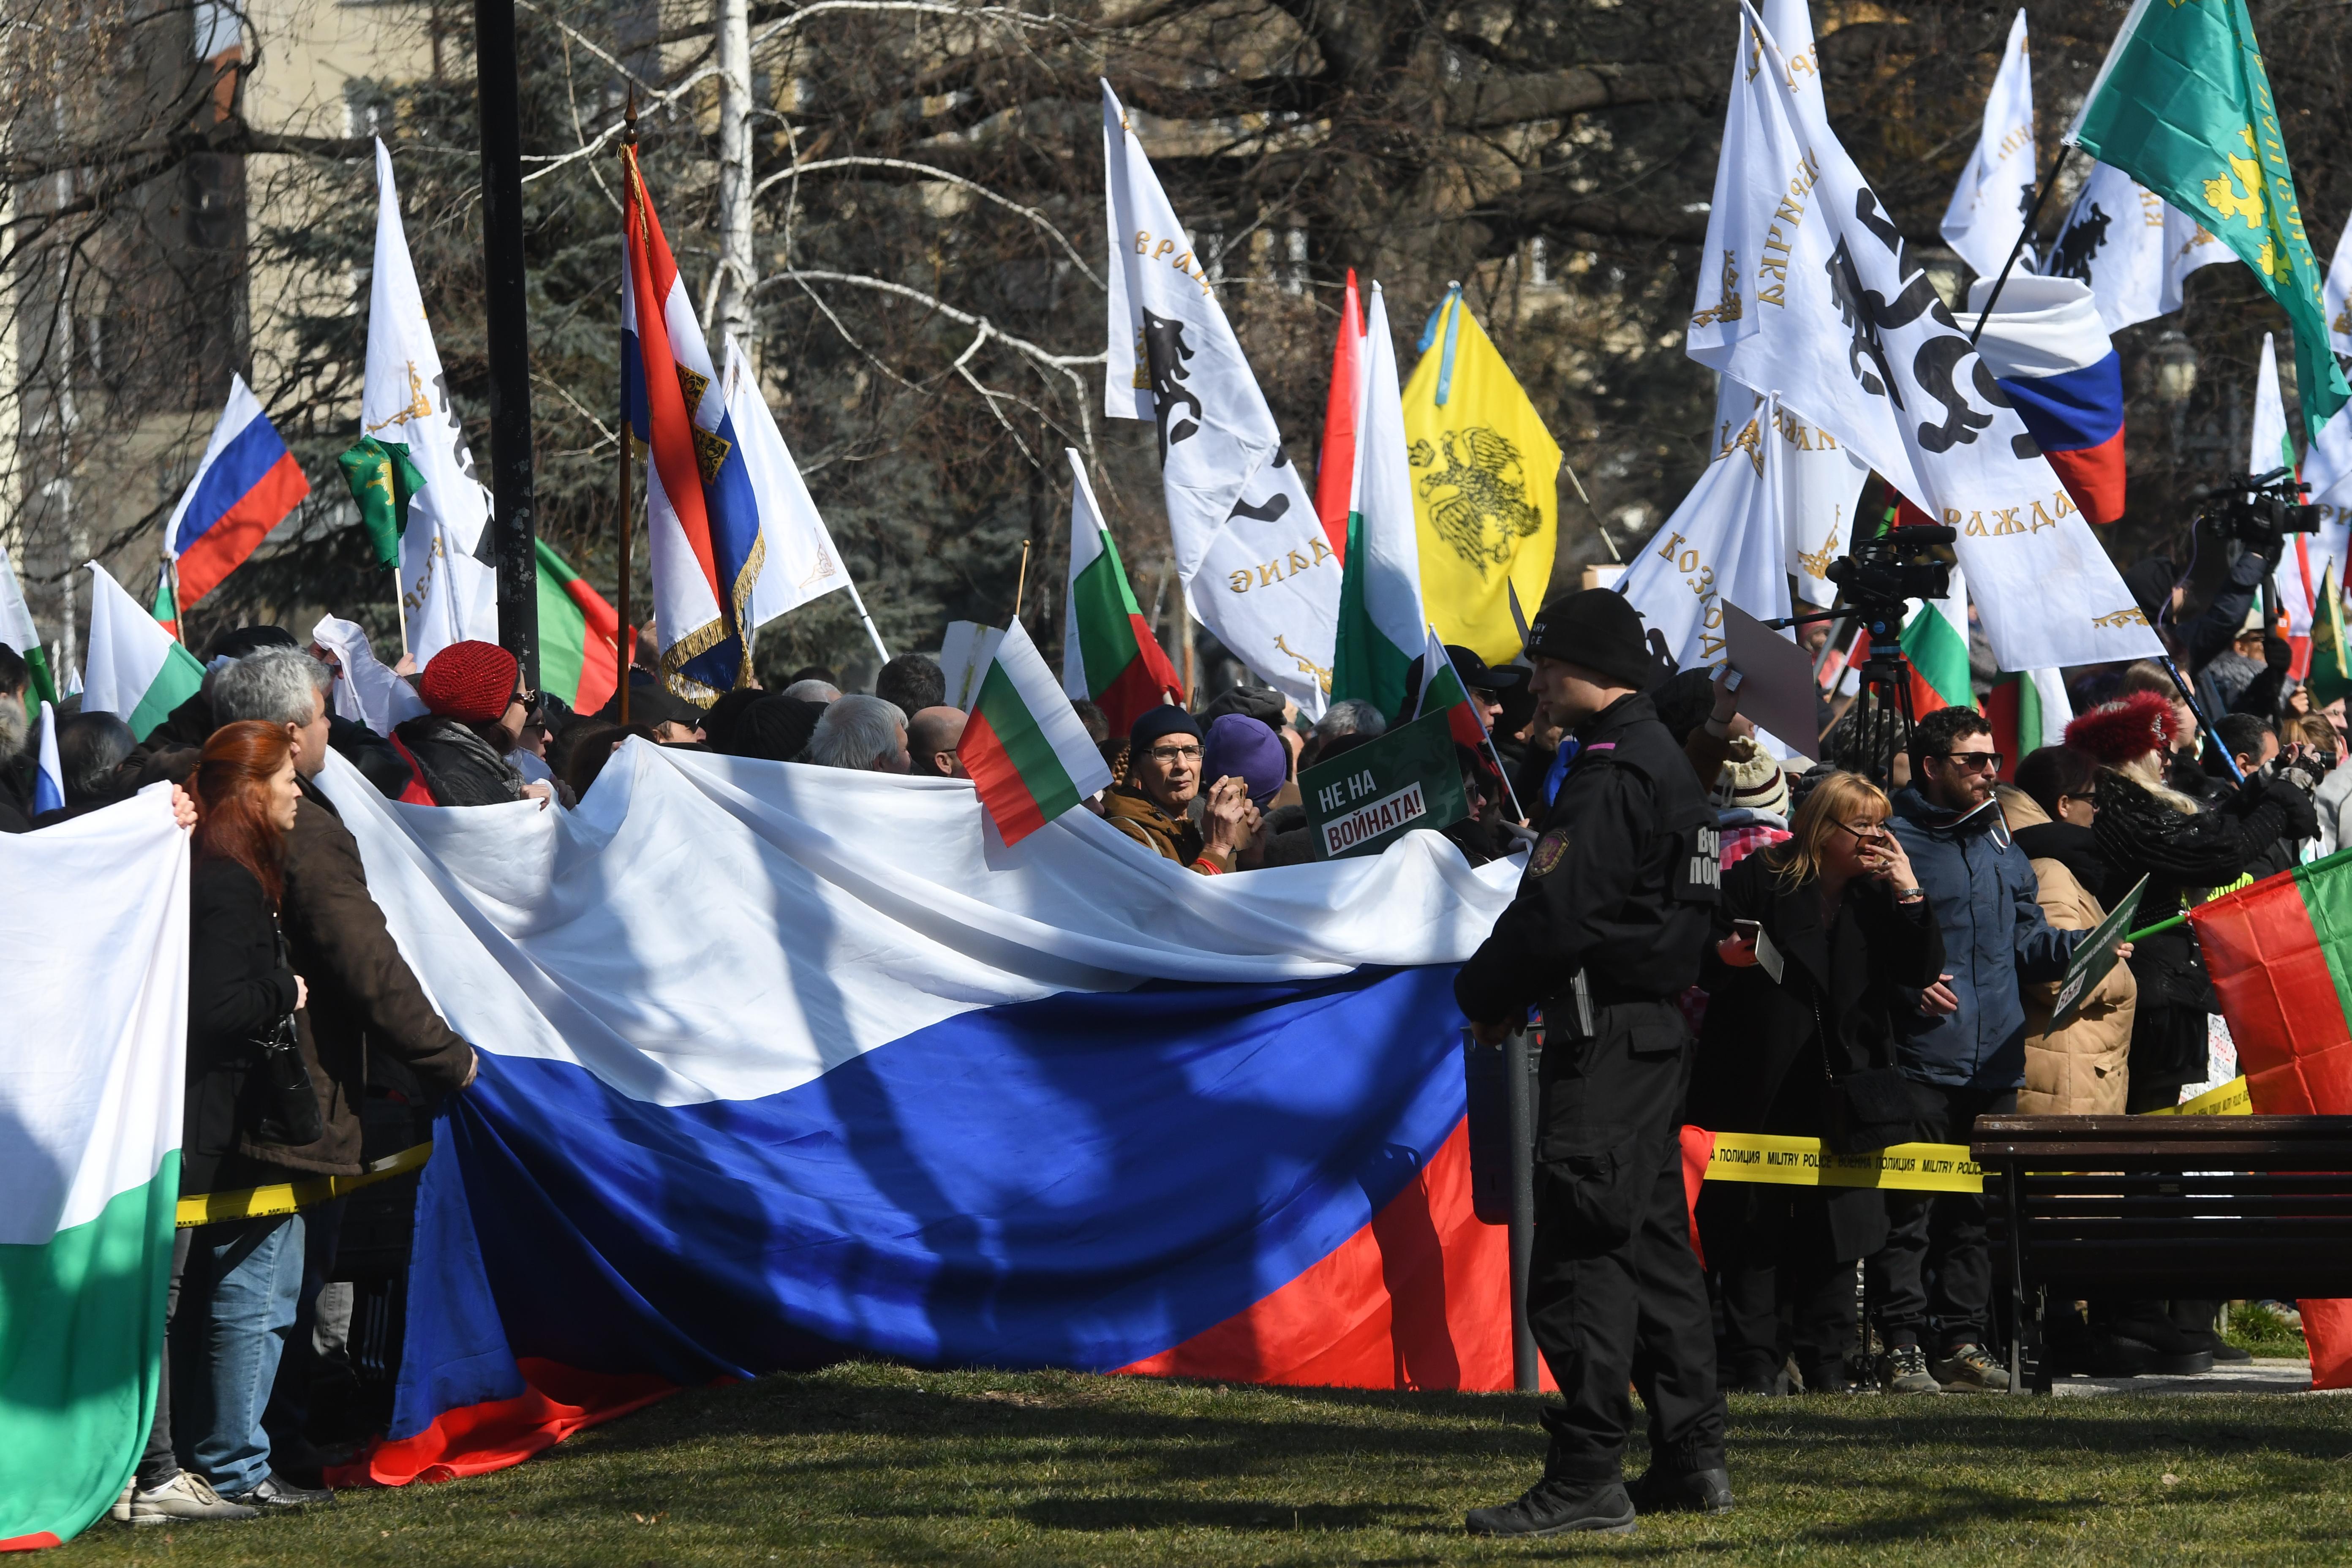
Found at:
[238, 988]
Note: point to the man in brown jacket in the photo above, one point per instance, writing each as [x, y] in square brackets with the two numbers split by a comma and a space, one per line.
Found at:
[1164, 773]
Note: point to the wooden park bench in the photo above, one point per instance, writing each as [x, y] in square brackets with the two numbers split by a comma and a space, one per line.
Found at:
[2131, 1207]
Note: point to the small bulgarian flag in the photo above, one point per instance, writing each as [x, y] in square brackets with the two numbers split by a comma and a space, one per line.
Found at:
[167, 603]
[1441, 692]
[579, 636]
[137, 671]
[1109, 656]
[2027, 712]
[1027, 753]
[1936, 641]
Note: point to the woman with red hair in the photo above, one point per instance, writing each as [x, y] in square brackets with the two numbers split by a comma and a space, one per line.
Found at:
[236, 1296]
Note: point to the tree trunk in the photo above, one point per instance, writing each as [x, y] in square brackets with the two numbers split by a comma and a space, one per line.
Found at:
[733, 315]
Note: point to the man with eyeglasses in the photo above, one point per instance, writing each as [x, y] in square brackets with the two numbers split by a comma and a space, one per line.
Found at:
[1152, 805]
[1965, 1055]
[1616, 904]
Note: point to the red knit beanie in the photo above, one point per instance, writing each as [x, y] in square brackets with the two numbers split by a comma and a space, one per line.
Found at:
[473, 681]
[2116, 733]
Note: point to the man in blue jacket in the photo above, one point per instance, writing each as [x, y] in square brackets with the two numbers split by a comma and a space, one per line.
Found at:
[1966, 1054]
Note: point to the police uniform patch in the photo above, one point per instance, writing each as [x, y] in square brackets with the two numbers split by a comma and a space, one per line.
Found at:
[1548, 850]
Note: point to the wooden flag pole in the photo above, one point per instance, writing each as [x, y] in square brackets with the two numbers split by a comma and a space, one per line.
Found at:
[627, 650]
[1021, 585]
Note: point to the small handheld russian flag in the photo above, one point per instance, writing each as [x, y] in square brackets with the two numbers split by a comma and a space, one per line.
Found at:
[246, 485]
[50, 777]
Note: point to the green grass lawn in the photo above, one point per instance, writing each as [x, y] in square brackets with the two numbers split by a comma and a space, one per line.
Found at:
[878, 1464]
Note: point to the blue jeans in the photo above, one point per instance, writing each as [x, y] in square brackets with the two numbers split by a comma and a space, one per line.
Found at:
[236, 1304]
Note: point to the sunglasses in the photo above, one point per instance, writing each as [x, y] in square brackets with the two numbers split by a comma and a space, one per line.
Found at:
[1971, 760]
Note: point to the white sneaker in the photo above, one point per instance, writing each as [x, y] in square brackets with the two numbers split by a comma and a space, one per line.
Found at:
[185, 1496]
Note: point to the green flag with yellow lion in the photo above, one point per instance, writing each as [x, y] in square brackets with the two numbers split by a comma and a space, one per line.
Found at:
[2183, 106]
[1486, 479]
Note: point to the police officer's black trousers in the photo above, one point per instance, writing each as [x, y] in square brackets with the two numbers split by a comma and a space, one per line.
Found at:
[1614, 1292]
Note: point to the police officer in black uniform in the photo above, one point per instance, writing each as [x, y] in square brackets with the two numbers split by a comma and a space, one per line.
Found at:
[1610, 917]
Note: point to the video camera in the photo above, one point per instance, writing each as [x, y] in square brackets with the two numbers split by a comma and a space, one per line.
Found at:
[1892, 566]
[2259, 510]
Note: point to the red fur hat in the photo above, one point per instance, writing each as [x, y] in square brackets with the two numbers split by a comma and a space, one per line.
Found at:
[2115, 733]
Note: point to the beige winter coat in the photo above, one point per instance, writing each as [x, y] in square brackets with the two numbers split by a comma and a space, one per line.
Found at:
[2079, 1070]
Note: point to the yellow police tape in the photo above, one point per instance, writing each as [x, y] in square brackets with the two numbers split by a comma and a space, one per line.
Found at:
[2232, 1098]
[1906, 1167]
[1803, 1162]
[285, 1197]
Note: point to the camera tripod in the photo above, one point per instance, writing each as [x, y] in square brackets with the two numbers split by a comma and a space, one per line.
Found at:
[1881, 719]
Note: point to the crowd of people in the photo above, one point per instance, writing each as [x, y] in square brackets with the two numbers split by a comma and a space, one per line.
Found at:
[1881, 965]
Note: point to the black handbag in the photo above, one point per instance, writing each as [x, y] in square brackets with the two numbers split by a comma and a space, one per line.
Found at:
[283, 1103]
[286, 1106]
[1873, 1107]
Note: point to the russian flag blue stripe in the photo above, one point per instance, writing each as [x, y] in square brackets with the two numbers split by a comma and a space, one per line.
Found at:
[1086, 1181]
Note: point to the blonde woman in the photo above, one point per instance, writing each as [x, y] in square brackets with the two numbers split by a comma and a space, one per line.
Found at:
[1826, 943]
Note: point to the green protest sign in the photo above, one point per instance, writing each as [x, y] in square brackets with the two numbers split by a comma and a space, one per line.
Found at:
[1358, 803]
[2095, 957]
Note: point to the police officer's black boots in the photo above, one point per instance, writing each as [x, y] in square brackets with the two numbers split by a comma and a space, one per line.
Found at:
[1661, 1491]
[1559, 1504]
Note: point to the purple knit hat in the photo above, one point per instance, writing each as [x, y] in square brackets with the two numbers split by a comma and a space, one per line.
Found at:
[1239, 746]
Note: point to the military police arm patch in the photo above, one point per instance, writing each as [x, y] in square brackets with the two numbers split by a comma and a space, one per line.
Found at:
[1547, 852]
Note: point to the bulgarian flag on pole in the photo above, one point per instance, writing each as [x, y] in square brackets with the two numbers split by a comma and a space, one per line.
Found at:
[579, 636]
[1335, 470]
[92, 1100]
[1936, 641]
[1027, 753]
[1109, 656]
[2183, 105]
[1441, 692]
[137, 671]
[1382, 629]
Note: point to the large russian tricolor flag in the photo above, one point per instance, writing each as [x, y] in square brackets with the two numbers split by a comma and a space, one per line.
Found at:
[246, 485]
[702, 520]
[785, 1064]
[2050, 351]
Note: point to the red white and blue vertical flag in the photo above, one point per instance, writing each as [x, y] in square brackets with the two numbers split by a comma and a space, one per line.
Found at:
[246, 485]
[701, 516]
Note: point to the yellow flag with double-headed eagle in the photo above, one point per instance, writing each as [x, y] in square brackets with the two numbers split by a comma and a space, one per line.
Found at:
[1486, 477]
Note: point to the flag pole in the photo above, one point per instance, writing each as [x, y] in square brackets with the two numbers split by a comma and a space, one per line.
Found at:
[1020, 585]
[399, 607]
[1484, 729]
[866, 620]
[2048, 184]
[627, 649]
